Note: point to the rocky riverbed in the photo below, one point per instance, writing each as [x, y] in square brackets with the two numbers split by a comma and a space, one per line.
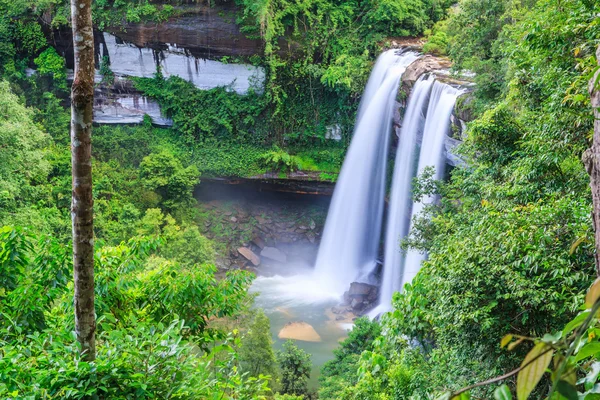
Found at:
[261, 231]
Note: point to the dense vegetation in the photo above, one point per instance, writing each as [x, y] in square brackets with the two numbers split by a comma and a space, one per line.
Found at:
[510, 242]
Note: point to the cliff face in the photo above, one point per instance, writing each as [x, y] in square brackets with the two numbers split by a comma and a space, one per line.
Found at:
[191, 46]
[206, 32]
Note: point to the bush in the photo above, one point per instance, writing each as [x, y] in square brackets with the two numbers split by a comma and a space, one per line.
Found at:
[279, 160]
[164, 173]
[139, 362]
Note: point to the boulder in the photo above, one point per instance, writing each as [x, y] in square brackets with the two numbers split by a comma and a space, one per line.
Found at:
[273, 253]
[357, 304]
[261, 220]
[249, 255]
[423, 65]
[361, 296]
[361, 289]
[299, 331]
[258, 242]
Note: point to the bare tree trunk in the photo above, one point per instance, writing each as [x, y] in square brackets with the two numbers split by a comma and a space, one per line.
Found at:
[591, 159]
[82, 97]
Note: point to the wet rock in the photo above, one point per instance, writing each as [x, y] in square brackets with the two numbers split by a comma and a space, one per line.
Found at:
[337, 310]
[311, 237]
[233, 219]
[361, 296]
[423, 65]
[273, 253]
[356, 304]
[249, 255]
[360, 289]
[258, 242]
[312, 225]
[299, 331]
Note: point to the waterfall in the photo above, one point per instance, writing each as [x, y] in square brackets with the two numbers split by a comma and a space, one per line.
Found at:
[442, 102]
[352, 231]
[426, 123]
[399, 211]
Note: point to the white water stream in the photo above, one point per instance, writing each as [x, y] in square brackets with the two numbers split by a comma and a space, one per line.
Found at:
[351, 235]
[424, 129]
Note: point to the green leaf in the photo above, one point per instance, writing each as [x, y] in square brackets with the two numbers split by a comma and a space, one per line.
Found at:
[506, 340]
[588, 350]
[502, 393]
[552, 338]
[578, 320]
[575, 245]
[514, 344]
[462, 396]
[593, 293]
[535, 364]
[567, 390]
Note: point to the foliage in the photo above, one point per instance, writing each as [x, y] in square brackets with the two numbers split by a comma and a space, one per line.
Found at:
[294, 366]
[50, 63]
[318, 54]
[256, 353]
[437, 39]
[163, 173]
[340, 373]
[108, 13]
[567, 353]
[139, 356]
[279, 160]
[23, 163]
[199, 114]
[108, 76]
[137, 362]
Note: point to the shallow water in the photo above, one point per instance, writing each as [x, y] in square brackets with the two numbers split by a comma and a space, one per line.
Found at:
[298, 297]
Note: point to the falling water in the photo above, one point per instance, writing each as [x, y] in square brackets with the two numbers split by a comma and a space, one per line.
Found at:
[351, 236]
[400, 201]
[437, 126]
[430, 121]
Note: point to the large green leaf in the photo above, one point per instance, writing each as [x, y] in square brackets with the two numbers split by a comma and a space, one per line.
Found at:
[588, 350]
[502, 393]
[593, 293]
[567, 390]
[578, 320]
[535, 364]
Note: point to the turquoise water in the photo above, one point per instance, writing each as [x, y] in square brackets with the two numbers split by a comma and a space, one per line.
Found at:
[298, 298]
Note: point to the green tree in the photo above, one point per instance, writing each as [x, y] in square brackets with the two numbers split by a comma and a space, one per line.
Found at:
[256, 354]
[23, 162]
[340, 373]
[294, 367]
[164, 173]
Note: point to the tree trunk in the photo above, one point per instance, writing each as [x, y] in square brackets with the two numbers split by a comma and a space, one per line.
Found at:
[591, 159]
[82, 96]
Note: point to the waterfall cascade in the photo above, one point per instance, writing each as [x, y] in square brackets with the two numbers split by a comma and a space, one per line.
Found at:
[425, 125]
[442, 102]
[351, 236]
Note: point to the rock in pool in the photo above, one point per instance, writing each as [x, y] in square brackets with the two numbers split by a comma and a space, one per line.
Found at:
[299, 331]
